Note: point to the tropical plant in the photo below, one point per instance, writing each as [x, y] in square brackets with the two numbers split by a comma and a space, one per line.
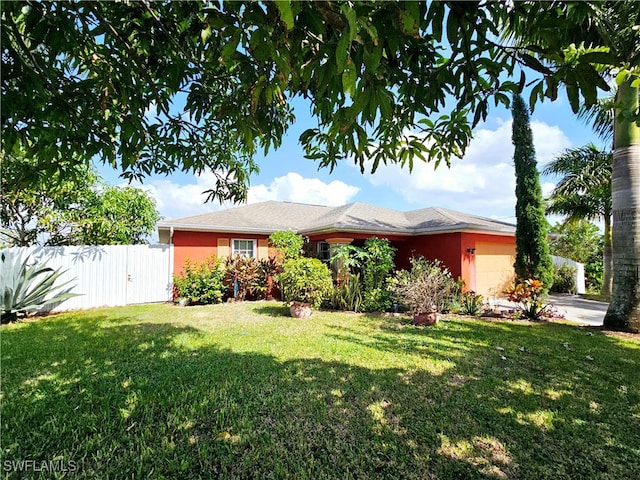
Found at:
[306, 280]
[584, 192]
[377, 265]
[529, 294]
[243, 277]
[28, 287]
[116, 216]
[347, 294]
[425, 288]
[201, 282]
[471, 303]
[533, 259]
[268, 268]
[374, 262]
[605, 35]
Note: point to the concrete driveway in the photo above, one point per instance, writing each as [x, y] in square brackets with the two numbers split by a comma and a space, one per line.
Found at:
[576, 309]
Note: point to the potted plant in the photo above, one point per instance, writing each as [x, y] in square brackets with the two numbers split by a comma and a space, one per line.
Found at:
[423, 290]
[304, 283]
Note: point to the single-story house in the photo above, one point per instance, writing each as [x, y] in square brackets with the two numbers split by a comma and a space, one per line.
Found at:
[478, 249]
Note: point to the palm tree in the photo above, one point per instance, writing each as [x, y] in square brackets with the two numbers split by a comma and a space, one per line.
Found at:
[609, 32]
[584, 192]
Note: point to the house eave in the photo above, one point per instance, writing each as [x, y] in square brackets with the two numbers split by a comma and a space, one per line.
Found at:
[215, 228]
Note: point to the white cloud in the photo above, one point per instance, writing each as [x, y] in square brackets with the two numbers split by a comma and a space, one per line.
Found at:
[175, 200]
[483, 182]
[295, 188]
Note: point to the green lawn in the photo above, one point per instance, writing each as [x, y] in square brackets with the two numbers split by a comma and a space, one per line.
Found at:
[243, 391]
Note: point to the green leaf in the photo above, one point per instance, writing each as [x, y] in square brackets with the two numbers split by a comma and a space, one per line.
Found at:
[286, 14]
[602, 58]
[622, 76]
[436, 13]
[230, 48]
[342, 52]
[205, 34]
[349, 12]
[535, 64]
[410, 16]
[574, 97]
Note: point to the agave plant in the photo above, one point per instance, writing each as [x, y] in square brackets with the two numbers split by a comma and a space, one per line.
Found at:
[29, 287]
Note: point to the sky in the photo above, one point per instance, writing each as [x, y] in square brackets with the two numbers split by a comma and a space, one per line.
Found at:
[481, 183]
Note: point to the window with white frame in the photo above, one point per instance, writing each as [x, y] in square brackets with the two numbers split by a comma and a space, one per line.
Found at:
[246, 248]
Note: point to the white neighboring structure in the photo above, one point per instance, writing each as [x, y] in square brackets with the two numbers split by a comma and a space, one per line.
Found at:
[580, 285]
[108, 276]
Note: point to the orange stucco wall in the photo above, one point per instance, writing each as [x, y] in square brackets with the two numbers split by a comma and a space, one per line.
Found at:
[449, 248]
[197, 246]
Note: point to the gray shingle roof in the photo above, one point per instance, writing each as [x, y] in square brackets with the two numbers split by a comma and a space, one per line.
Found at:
[267, 217]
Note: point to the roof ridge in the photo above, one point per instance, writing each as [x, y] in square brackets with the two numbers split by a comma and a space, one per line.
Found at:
[447, 213]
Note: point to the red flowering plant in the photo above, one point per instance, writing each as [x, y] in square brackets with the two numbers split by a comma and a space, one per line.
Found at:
[529, 295]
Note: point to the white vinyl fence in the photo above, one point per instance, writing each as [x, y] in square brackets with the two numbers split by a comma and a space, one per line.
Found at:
[109, 275]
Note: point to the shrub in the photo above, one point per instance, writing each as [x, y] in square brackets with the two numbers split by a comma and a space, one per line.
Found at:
[564, 279]
[374, 263]
[201, 282]
[424, 288]
[347, 295]
[267, 271]
[305, 280]
[529, 295]
[471, 303]
[243, 278]
[288, 243]
[29, 287]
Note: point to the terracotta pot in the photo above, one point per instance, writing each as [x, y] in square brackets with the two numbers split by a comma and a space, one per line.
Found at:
[300, 310]
[427, 318]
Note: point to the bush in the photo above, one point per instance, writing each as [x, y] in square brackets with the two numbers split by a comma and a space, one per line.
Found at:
[471, 303]
[374, 263]
[529, 294]
[268, 269]
[564, 279]
[201, 282]
[426, 287]
[288, 243]
[305, 280]
[244, 278]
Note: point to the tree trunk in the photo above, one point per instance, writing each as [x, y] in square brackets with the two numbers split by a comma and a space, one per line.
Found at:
[607, 258]
[624, 309]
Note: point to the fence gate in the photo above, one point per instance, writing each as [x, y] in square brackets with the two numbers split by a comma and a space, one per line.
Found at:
[149, 272]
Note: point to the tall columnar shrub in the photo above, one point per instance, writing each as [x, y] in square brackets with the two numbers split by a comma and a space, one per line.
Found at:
[377, 266]
[533, 260]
